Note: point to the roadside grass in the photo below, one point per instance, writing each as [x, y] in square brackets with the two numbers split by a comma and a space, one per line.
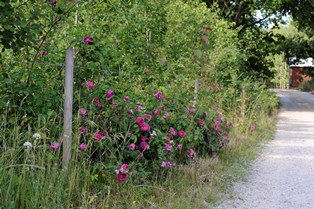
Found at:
[308, 86]
[33, 178]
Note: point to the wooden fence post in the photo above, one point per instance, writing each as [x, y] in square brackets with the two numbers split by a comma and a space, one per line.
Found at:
[68, 106]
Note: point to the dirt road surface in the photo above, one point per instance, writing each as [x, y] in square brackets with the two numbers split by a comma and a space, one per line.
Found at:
[283, 176]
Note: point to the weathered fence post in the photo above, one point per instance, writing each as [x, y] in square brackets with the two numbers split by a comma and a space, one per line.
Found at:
[68, 106]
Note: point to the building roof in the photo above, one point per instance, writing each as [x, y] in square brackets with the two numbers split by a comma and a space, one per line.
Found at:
[309, 62]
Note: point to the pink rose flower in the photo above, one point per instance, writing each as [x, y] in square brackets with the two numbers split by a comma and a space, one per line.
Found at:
[158, 96]
[122, 172]
[83, 130]
[231, 123]
[82, 111]
[252, 128]
[163, 164]
[156, 112]
[166, 115]
[191, 153]
[130, 112]
[217, 123]
[201, 122]
[96, 102]
[148, 116]
[138, 108]
[144, 145]
[172, 131]
[181, 133]
[89, 85]
[122, 176]
[168, 139]
[97, 136]
[144, 138]
[126, 99]
[168, 147]
[139, 121]
[132, 146]
[83, 147]
[145, 127]
[109, 94]
[179, 146]
[54, 146]
[88, 40]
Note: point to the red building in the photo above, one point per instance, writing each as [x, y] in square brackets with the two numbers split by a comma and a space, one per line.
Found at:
[296, 75]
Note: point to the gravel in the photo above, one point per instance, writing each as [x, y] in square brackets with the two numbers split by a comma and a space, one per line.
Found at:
[283, 175]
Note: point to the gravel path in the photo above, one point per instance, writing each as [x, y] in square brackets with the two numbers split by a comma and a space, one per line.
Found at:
[283, 176]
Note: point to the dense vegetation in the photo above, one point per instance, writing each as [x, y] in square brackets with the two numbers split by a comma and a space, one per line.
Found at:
[157, 85]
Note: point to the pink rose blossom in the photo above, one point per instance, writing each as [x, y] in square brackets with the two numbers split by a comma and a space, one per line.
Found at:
[144, 145]
[126, 99]
[82, 112]
[132, 146]
[163, 164]
[148, 116]
[167, 138]
[142, 180]
[83, 130]
[122, 176]
[109, 94]
[201, 122]
[172, 131]
[191, 153]
[191, 110]
[179, 146]
[89, 85]
[130, 112]
[252, 128]
[163, 107]
[166, 115]
[138, 108]
[122, 172]
[156, 112]
[231, 123]
[217, 123]
[181, 133]
[168, 147]
[96, 102]
[139, 121]
[83, 147]
[88, 40]
[54, 146]
[97, 136]
[144, 138]
[145, 127]
[158, 96]
[218, 130]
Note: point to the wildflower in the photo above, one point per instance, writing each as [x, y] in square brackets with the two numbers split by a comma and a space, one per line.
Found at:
[142, 180]
[139, 121]
[88, 40]
[218, 129]
[225, 127]
[174, 164]
[168, 147]
[130, 112]
[83, 130]
[167, 138]
[179, 146]
[217, 123]
[134, 202]
[97, 136]
[83, 147]
[138, 108]
[132, 146]
[144, 145]
[96, 102]
[113, 105]
[54, 3]
[37, 136]
[148, 116]
[191, 153]
[201, 122]
[156, 112]
[144, 138]
[181, 133]
[89, 85]
[109, 94]
[172, 131]
[82, 111]
[54, 146]
[163, 164]
[123, 172]
[166, 115]
[231, 123]
[191, 110]
[158, 96]
[126, 99]
[145, 127]
[163, 107]
[28, 145]
[252, 128]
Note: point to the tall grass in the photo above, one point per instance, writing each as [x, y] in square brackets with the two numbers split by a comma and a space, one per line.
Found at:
[33, 178]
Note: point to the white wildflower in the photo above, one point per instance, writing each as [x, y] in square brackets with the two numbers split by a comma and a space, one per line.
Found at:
[153, 134]
[37, 136]
[28, 145]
